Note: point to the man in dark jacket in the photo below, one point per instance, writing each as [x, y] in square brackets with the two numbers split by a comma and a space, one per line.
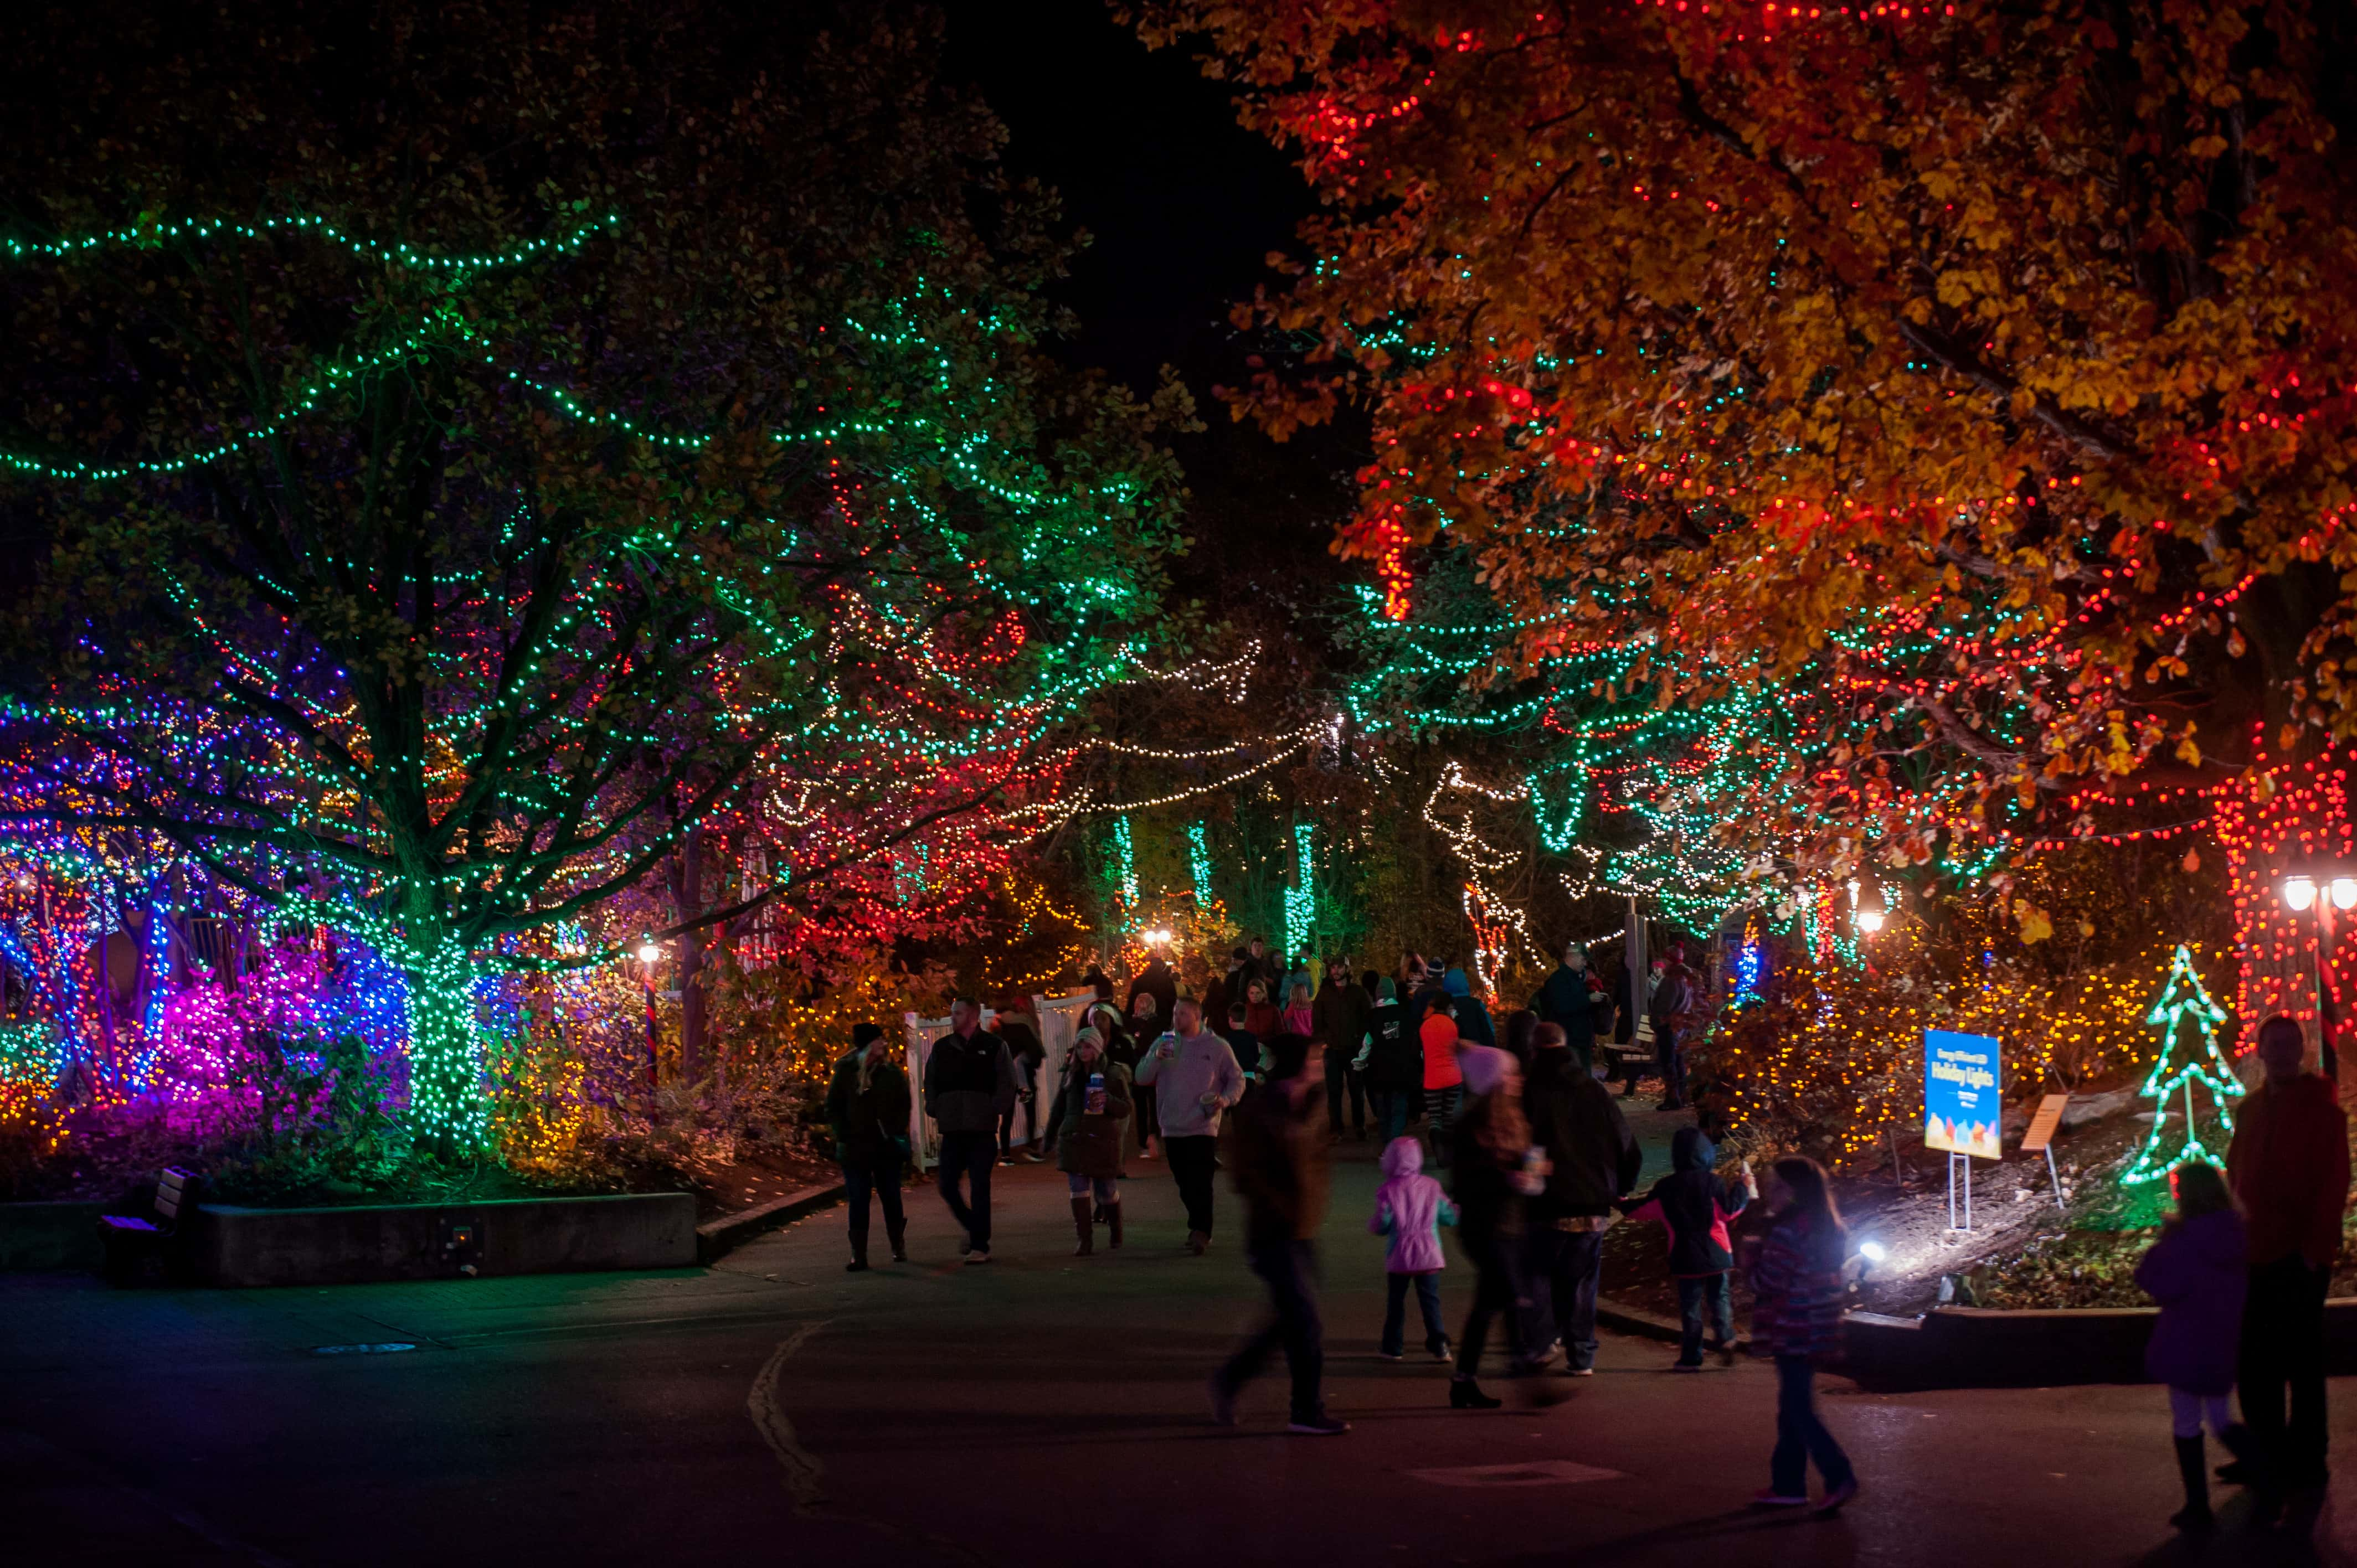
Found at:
[1562, 1000]
[969, 1084]
[1395, 1065]
[1157, 981]
[867, 1107]
[1694, 1206]
[2288, 1165]
[1276, 1149]
[1594, 1159]
[1343, 1009]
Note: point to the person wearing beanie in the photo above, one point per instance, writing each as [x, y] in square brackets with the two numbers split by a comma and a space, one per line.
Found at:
[868, 1108]
[1095, 1105]
[1392, 1059]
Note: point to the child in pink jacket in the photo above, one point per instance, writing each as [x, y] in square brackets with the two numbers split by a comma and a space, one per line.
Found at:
[1411, 1208]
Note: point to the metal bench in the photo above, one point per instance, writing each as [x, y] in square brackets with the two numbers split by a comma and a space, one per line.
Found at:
[132, 1240]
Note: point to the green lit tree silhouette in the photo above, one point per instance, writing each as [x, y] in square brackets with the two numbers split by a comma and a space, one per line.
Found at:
[2189, 1022]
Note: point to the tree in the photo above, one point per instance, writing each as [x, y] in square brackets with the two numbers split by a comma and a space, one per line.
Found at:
[2187, 1057]
[525, 436]
[1977, 374]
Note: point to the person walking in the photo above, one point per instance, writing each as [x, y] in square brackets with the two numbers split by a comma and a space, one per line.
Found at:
[1156, 980]
[1410, 1209]
[1674, 1005]
[1493, 1172]
[2288, 1166]
[1473, 1022]
[1260, 1014]
[1096, 1103]
[1014, 1025]
[868, 1108]
[1298, 1018]
[1593, 1158]
[969, 1083]
[1195, 1078]
[1443, 1081]
[1695, 1205]
[1343, 1009]
[1563, 1001]
[2200, 1273]
[1394, 1061]
[1277, 1149]
[1145, 1025]
[1249, 1049]
[1796, 1317]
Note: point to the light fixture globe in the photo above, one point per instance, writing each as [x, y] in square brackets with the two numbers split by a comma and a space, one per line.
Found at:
[1869, 921]
[650, 954]
[2298, 892]
[2344, 892]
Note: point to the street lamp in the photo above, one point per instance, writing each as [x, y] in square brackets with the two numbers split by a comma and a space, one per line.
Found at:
[650, 954]
[1869, 921]
[2301, 893]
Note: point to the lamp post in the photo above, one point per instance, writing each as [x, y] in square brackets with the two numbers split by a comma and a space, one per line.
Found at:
[2301, 892]
[650, 954]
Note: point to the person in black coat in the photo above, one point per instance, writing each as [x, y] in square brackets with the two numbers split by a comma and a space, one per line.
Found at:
[1157, 981]
[1593, 1160]
[868, 1111]
[1563, 1001]
[1393, 1059]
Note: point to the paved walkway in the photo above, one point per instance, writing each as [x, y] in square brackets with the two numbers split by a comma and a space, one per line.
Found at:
[1041, 1412]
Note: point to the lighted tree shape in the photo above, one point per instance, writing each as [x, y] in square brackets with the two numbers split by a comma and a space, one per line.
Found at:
[2181, 1066]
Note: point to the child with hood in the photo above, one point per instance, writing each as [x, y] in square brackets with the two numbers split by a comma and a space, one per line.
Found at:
[1410, 1209]
[1694, 1205]
[2198, 1271]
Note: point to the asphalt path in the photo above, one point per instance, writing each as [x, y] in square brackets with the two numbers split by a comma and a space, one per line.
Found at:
[1039, 1411]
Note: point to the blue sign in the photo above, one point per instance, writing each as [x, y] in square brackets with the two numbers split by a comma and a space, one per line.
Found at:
[1961, 1113]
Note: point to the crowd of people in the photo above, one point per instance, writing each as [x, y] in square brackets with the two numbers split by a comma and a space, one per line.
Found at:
[1540, 1161]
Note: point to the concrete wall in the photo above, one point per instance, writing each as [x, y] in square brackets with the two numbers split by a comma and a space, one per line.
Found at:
[405, 1241]
[1966, 1346]
[51, 1235]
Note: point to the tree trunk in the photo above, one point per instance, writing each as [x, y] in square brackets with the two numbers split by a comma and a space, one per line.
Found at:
[450, 1107]
[687, 894]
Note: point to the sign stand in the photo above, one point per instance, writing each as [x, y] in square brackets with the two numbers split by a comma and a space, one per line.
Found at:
[1953, 1160]
[2041, 1134]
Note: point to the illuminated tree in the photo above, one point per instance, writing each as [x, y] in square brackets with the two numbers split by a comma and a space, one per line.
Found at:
[523, 438]
[1984, 368]
[2188, 1021]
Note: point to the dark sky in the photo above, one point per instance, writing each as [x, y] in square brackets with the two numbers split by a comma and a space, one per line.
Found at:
[1183, 202]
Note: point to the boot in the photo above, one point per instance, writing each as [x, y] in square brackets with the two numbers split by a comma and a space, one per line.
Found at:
[1082, 1228]
[2191, 1465]
[896, 1235]
[859, 1263]
[1112, 1223]
[1464, 1393]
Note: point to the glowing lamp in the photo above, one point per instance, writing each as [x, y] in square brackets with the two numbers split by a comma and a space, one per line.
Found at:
[1161, 939]
[2298, 892]
[1869, 921]
[649, 952]
[1872, 1251]
[2344, 892]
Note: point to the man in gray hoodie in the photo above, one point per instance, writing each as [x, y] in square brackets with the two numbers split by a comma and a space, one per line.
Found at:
[969, 1083]
[1194, 1077]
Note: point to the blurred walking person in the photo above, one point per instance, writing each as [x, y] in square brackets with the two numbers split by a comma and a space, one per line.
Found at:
[1277, 1149]
[1796, 1318]
[1495, 1170]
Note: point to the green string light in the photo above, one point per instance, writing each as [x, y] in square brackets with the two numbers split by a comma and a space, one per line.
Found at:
[1199, 863]
[1301, 898]
[2180, 1066]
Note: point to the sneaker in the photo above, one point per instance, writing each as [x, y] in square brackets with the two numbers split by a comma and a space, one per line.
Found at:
[1836, 1496]
[1318, 1425]
[1686, 1366]
[1579, 1371]
[1444, 1351]
[1389, 1356]
[979, 1255]
[1772, 1498]
[1224, 1403]
[857, 1266]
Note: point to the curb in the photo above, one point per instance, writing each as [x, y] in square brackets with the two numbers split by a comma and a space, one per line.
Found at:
[1646, 1325]
[717, 1238]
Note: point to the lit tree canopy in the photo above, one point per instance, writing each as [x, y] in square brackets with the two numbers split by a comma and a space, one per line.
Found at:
[527, 432]
[1986, 369]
